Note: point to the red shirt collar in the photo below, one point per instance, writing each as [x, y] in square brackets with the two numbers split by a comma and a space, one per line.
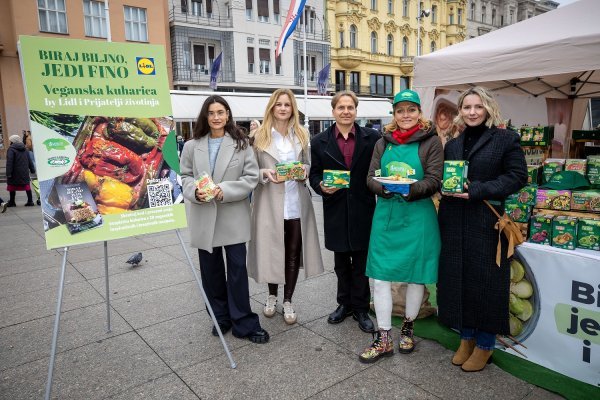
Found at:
[352, 132]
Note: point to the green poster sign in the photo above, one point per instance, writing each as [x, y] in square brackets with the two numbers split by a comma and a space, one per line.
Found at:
[104, 139]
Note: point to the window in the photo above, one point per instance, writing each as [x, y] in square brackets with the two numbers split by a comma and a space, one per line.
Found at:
[199, 52]
[341, 38]
[373, 4]
[196, 8]
[251, 60]
[263, 10]
[460, 16]
[278, 64]
[312, 17]
[390, 6]
[434, 14]
[451, 19]
[355, 81]
[419, 46]
[276, 14]
[473, 11]
[209, 8]
[483, 12]
[404, 46]
[404, 82]
[136, 26]
[94, 18]
[211, 56]
[529, 15]
[433, 46]
[353, 36]
[248, 10]
[340, 80]
[250, 40]
[502, 20]
[228, 7]
[52, 15]
[405, 8]
[493, 16]
[390, 45]
[264, 42]
[373, 42]
[382, 84]
[265, 61]
[312, 68]
[512, 17]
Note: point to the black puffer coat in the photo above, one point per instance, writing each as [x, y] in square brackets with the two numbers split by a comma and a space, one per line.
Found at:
[18, 165]
[472, 290]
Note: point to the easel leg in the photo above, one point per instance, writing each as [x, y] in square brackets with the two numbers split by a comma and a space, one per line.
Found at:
[108, 329]
[61, 286]
[208, 307]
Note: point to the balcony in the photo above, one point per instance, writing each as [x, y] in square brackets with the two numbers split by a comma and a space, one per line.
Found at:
[348, 57]
[359, 90]
[406, 64]
[322, 36]
[196, 74]
[215, 19]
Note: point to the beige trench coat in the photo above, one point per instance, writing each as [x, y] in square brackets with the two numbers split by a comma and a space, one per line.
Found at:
[226, 222]
[266, 251]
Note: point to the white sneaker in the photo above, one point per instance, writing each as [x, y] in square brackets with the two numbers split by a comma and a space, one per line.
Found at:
[3, 207]
[288, 313]
[270, 306]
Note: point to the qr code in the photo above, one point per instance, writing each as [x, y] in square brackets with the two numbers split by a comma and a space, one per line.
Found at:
[160, 194]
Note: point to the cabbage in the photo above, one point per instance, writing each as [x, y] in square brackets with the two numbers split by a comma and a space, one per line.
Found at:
[516, 326]
[515, 304]
[517, 271]
[527, 310]
[522, 289]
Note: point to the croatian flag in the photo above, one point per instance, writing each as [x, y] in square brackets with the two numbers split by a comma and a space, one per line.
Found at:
[293, 16]
[214, 71]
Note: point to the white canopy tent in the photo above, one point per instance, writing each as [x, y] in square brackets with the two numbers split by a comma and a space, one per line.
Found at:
[553, 55]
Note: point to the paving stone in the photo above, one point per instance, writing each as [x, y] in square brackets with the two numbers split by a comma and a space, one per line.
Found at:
[37, 280]
[115, 247]
[51, 259]
[168, 387]
[25, 251]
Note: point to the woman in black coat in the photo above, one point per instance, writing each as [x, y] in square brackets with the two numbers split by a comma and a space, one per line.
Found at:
[473, 293]
[18, 166]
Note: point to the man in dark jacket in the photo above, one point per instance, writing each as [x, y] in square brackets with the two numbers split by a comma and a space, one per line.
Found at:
[347, 212]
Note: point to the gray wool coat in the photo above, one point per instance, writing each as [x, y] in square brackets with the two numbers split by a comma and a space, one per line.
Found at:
[266, 251]
[226, 222]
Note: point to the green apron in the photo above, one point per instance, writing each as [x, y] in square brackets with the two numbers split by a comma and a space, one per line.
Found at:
[405, 238]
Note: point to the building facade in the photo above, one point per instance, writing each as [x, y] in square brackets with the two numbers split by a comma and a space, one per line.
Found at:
[246, 32]
[484, 16]
[374, 42]
[130, 21]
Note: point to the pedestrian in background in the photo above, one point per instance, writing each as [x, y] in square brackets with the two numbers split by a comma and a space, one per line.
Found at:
[18, 167]
[221, 149]
[347, 212]
[28, 145]
[473, 293]
[405, 239]
[284, 228]
[254, 125]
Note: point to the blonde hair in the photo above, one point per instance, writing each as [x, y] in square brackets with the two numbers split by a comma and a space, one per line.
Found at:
[489, 103]
[424, 124]
[262, 137]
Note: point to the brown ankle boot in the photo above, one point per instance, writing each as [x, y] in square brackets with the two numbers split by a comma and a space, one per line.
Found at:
[464, 351]
[478, 360]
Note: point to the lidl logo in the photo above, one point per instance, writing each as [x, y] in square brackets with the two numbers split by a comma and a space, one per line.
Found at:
[145, 66]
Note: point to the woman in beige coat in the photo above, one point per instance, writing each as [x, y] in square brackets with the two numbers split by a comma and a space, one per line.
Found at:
[219, 217]
[284, 229]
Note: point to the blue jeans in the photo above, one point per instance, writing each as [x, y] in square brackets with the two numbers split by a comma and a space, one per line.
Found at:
[484, 340]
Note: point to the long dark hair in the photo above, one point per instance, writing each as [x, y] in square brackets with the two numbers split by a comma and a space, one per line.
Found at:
[202, 128]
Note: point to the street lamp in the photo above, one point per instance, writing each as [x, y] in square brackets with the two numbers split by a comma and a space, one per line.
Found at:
[422, 14]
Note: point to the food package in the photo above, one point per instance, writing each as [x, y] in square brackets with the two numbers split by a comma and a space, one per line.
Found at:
[585, 200]
[525, 196]
[534, 174]
[551, 166]
[576, 165]
[526, 133]
[518, 212]
[534, 135]
[553, 199]
[540, 229]
[593, 170]
[289, 171]
[588, 233]
[206, 185]
[336, 178]
[564, 232]
[455, 176]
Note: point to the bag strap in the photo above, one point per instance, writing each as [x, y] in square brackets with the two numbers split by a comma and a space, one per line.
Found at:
[487, 203]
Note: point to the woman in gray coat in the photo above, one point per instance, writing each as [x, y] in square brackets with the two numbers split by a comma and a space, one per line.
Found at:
[219, 217]
[284, 228]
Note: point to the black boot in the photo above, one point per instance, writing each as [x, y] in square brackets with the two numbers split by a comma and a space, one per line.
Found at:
[11, 202]
[29, 199]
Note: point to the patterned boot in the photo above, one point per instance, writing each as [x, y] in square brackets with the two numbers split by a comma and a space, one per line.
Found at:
[406, 343]
[383, 346]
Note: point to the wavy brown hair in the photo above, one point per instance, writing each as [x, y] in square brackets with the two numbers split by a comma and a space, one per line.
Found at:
[202, 128]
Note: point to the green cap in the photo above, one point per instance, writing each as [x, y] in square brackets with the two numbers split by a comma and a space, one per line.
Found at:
[566, 180]
[407, 95]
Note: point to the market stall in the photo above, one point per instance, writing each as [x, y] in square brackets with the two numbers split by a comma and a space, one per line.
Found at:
[543, 71]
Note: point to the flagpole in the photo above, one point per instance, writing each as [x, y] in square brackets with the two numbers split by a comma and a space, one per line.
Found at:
[305, 75]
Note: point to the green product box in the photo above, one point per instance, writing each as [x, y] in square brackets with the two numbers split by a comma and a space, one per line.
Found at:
[576, 165]
[564, 232]
[518, 212]
[540, 229]
[525, 196]
[593, 170]
[455, 176]
[534, 174]
[553, 199]
[289, 171]
[585, 200]
[534, 135]
[552, 165]
[526, 133]
[588, 233]
[336, 178]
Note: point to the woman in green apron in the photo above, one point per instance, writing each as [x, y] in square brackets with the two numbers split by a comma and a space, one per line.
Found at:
[405, 239]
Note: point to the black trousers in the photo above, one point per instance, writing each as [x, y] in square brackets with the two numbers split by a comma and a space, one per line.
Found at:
[353, 285]
[228, 295]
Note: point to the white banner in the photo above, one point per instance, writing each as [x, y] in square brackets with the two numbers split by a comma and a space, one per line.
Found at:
[564, 335]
